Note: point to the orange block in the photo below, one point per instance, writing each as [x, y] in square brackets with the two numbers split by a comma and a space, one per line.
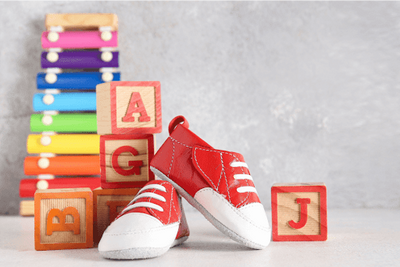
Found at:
[63, 219]
[63, 165]
[299, 212]
[107, 204]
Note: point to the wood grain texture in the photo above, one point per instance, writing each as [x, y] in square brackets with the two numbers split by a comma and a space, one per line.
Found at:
[111, 114]
[77, 21]
[103, 103]
[143, 152]
[103, 213]
[27, 208]
[58, 200]
[288, 213]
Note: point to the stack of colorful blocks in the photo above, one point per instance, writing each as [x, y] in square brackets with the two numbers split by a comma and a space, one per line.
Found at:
[79, 54]
[128, 116]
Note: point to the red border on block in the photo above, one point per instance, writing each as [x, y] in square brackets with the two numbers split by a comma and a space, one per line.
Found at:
[321, 189]
[142, 130]
[150, 150]
[88, 196]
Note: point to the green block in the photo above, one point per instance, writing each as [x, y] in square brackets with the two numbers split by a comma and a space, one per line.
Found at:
[64, 123]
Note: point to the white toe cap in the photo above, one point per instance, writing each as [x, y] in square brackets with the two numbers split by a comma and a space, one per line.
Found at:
[137, 230]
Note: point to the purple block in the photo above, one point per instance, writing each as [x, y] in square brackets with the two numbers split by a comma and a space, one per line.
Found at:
[79, 60]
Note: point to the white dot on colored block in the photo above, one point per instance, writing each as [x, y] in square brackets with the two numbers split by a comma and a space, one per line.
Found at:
[43, 163]
[50, 78]
[53, 37]
[47, 120]
[106, 56]
[48, 99]
[107, 76]
[42, 184]
[106, 36]
[52, 57]
[45, 140]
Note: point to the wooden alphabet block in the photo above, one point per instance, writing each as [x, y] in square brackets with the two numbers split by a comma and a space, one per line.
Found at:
[299, 212]
[63, 219]
[128, 108]
[77, 21]
[107, 204]
[26, 208]
[125, 160]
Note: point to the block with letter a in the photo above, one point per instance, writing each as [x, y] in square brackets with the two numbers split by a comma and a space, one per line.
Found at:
[125, 160]
[299, 212]
[63, 219]
[128, 108]
[107, 204]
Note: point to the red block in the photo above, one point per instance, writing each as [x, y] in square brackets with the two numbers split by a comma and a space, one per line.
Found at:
[299, 212]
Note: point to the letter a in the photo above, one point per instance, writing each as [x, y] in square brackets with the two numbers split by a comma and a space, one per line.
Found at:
[135, 164]
[303, 213]
[63, 226]
[136, 106]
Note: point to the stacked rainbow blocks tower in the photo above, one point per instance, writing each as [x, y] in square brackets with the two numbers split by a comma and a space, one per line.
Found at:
[79, 54]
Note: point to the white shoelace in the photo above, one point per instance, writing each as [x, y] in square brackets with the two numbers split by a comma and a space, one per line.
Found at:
[147, 194]
[243, 189]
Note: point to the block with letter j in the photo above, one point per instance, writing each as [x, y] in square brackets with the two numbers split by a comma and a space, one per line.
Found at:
[299, 212]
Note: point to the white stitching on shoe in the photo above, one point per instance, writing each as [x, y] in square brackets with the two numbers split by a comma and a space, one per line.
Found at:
[222, 171]
[227, 188]
[180, 142]
[172, 159]
[195, 158]
[170, 206]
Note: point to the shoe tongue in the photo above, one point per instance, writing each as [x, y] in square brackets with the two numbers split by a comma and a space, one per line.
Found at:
[212, 163]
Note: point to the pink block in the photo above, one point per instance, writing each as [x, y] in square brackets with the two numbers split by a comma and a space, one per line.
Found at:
[80, 39]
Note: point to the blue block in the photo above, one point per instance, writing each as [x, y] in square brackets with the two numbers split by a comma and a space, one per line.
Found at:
[66, 102]
[74, 80]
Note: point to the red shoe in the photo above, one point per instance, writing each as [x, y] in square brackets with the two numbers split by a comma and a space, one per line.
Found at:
[148, 226]
[216, 182]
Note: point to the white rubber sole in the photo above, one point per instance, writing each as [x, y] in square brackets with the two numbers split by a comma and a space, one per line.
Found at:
[140, 253]
[219, 225]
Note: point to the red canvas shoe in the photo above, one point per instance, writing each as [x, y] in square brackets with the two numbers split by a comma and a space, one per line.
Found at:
[216, 182]
[149, 225]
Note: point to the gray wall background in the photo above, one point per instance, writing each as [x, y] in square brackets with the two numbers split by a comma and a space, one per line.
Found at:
[305, 91]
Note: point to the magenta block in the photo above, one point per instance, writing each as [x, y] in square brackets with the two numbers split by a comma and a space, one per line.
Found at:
[80, 40]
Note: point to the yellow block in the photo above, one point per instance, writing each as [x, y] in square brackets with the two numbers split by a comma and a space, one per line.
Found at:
[64, 144]
[76, 21]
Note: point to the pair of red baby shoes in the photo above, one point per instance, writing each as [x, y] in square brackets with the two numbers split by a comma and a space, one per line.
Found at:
[216, 182]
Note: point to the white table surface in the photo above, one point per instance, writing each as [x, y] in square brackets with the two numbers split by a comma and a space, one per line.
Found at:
[361, 237]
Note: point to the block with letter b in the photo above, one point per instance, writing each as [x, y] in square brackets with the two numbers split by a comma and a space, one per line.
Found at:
[63, 219]
[128, 108]
[125, 160]
[299, 212]
[107, 204]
